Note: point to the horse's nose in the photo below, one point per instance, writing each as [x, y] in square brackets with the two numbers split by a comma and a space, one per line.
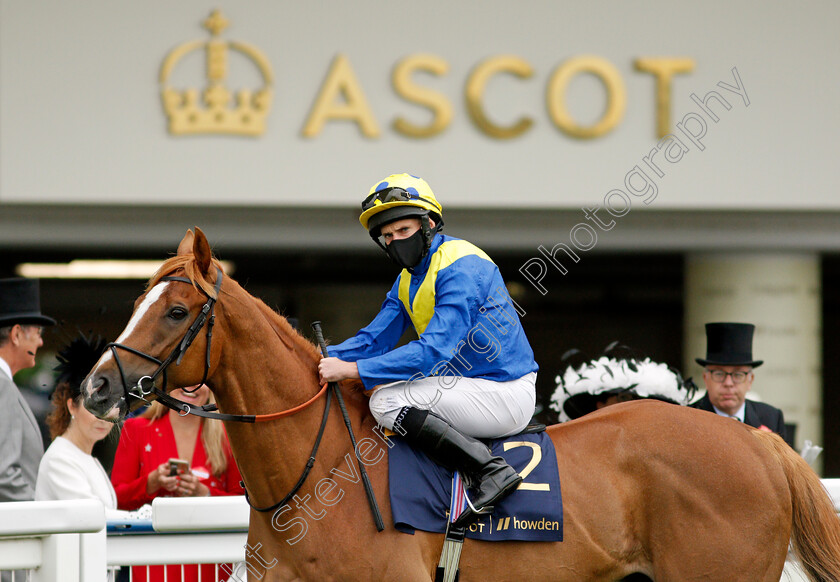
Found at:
[99, 390]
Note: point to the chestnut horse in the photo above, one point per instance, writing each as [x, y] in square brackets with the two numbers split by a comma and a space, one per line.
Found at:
[650, 490]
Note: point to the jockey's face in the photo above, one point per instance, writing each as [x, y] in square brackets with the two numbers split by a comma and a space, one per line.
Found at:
[726, 394]
[401, 229]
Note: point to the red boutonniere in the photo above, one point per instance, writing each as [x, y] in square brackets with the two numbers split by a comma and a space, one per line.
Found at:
[764, 428]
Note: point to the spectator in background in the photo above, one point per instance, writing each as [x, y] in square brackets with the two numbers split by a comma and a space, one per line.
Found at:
[21, 444]
[613, 378]
[728, 376]
[142, 471]
[68, 470]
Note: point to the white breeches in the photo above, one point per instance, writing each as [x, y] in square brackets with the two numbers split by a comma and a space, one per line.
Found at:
[474, 406]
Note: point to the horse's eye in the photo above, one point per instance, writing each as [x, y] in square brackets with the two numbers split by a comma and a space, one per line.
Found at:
[178, 313]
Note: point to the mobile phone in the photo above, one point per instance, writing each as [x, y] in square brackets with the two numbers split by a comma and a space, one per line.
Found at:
[178, 467]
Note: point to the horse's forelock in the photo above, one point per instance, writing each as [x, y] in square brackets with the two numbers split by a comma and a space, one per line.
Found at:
[186, 263]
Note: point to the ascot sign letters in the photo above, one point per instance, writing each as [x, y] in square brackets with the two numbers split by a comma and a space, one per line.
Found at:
[341, 97]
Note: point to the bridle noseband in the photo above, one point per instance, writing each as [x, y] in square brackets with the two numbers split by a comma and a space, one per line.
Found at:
[146, 385]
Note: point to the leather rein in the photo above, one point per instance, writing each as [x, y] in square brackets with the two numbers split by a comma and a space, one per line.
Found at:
[146, 385]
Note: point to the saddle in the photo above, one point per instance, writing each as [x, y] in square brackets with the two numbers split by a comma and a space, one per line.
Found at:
[436, 496]
[421, 492]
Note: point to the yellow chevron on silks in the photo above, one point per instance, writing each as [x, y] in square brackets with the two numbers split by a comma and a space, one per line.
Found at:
[423, 307]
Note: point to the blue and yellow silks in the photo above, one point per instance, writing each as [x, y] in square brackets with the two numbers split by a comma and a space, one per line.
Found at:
[466, 323]
[420, 305]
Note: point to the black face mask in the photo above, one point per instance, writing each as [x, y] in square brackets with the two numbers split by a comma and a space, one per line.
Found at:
[408, 252]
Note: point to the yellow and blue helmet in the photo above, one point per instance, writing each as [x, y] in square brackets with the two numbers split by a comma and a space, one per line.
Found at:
[398, 196]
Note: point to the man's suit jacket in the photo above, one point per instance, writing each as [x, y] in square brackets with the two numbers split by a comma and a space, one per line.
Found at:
[21, 445]
[756, 414]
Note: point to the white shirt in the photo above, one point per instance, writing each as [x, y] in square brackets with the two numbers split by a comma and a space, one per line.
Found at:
[67, 472]
[4, 367]
[739, 414]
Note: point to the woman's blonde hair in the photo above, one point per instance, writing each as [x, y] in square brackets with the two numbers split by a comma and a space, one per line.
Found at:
[213, 436]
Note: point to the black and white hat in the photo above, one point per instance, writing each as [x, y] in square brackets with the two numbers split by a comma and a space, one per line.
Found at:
[581, 387]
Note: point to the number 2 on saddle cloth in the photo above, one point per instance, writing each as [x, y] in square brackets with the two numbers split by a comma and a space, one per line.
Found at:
[420, 491]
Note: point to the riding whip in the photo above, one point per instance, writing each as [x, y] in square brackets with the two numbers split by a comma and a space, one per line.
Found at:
[374, 507]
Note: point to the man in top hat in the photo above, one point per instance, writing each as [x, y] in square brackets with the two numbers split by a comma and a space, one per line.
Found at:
[728, 375]
[21, 445]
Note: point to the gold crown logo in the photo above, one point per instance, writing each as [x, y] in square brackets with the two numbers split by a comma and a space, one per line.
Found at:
[214, 114]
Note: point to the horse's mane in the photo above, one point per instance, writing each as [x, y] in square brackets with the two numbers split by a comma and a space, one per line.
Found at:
[288, 333]
[281, 326]
[191, 271]
[285, 330]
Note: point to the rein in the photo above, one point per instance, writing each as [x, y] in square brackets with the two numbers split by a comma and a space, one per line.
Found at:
[146, 386]
[309, 464]
[374, 507]
[206, 411]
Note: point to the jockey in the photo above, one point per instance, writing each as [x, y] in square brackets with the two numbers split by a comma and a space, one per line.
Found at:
[471, 372]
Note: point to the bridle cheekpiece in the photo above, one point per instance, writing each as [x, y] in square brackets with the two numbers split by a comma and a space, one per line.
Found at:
[145, 386]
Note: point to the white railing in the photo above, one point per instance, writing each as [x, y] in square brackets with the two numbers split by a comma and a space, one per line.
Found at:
[187, 531]
[66, 541]
[47, 536]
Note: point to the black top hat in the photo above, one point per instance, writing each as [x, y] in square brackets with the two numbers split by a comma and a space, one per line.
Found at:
[20, 302]
[729, 344]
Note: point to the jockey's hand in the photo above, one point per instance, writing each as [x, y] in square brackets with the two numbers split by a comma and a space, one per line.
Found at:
[333, 370]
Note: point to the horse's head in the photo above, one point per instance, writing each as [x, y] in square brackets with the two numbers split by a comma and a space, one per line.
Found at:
[167, 342]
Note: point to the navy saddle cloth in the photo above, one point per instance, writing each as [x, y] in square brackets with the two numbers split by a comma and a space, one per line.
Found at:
[420, 492]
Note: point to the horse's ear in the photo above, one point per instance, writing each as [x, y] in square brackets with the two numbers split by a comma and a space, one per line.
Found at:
[201, 250]
[186, 246]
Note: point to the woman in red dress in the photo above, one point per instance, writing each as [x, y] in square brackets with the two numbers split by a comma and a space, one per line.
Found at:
[141, 469]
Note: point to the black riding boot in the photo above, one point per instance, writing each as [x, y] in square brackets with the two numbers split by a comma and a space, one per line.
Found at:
[490, 476]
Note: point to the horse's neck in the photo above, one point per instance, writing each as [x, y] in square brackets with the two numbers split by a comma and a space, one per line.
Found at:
[270, 370]
[265, 362]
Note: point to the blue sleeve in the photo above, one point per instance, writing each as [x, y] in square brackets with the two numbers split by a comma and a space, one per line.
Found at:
[458, 290]
[379, 336]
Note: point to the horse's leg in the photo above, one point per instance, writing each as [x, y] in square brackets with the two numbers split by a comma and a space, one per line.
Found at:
[705, 569]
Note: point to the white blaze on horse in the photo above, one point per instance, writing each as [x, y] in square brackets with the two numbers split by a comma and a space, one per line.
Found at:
[650, 490]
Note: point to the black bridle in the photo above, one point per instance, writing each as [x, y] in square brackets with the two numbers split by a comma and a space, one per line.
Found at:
[146, 385]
